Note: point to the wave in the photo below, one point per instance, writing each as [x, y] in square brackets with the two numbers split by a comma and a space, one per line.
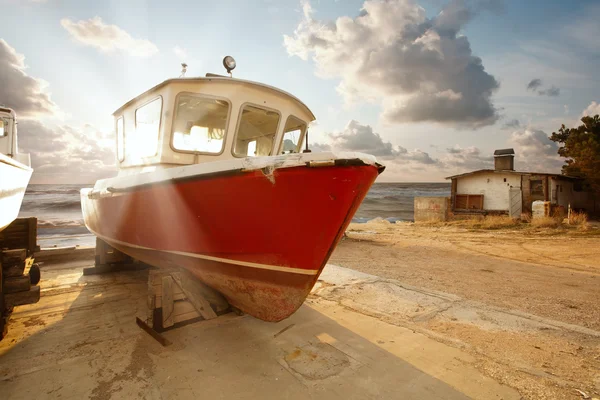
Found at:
[53, 191]
[60, 223]
[52, 205]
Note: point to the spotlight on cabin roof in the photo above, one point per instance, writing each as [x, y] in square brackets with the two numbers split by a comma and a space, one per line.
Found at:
[229, 64]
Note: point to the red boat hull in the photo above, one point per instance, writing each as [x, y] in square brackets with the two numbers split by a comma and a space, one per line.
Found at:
[261, 240]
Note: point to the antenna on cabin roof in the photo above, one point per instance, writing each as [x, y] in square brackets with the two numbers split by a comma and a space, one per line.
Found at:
[183, 70]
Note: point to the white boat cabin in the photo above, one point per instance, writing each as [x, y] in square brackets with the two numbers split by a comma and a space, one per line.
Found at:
[9, 145]
[186, 121]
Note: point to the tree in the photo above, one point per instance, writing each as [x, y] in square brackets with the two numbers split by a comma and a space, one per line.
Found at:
[581, 148]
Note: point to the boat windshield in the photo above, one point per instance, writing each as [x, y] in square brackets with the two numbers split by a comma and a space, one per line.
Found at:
[256, 132]
[292, 133]
[200, 124]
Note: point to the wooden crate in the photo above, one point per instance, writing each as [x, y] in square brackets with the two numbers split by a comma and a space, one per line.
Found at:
[21, 234]
[18, 244]
[175, 298]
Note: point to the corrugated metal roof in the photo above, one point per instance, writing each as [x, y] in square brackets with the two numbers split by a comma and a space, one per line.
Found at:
[512, 172]
[504, 152]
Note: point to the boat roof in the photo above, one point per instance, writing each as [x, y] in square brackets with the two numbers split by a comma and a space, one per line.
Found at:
[5, 109]
[212, 77]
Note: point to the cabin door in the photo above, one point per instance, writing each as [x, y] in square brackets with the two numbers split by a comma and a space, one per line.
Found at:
[515, 202]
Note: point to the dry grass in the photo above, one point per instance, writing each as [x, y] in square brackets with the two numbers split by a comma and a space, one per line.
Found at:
[556, 224]
[546, 222]
[487, 222]
[578, 218]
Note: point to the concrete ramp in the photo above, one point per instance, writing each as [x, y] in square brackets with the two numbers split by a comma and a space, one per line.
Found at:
[81, 341]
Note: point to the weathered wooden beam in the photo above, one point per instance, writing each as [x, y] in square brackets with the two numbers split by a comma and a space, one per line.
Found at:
[200, 295]
[21, 298]
[13, 270]
[11, 257]
[157, 336]
[16, 284]
[167, 301]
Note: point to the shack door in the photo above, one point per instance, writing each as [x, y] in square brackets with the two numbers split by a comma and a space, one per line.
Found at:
[515, 202]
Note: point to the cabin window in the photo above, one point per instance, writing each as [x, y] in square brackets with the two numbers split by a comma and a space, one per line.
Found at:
[120, 139]
[144, 141]
[2, 130]
[200, 124]
[256, 131]
[292, 134]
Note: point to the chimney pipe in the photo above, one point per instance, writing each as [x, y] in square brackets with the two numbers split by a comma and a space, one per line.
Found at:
[504, 160]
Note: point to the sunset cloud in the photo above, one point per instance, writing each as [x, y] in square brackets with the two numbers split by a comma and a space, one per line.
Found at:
[95, 33]
[20, 91]
[534, 151]
[422, 67]
[66, 153]
[591, 110]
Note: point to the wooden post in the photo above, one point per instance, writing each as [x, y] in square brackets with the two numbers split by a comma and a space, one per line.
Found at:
[167, 301]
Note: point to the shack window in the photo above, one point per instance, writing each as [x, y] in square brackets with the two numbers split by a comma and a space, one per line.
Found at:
[292, 134]
[2, 131]
[256, 125]
[200, 124]
[537, 187]
[144, 141]
[120, 139]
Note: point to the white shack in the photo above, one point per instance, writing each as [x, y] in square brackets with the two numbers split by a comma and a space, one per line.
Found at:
[503, 190]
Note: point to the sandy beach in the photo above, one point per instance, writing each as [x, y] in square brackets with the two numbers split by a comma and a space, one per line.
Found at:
[523, 302]
[401, 311]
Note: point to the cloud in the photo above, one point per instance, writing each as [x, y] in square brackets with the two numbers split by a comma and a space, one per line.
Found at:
[552, 92]
[534, 151]
[361, 138]
[181, 53]
[19, 91]
[591, 110]
[469, 158]
[61, 153]
[534, 84]
[537, 83]
[66, 153]
[319, 147]
[419, 68]
[511, 124]
[107, 38]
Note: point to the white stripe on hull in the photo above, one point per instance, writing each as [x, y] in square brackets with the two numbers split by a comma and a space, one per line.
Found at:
[211, 258]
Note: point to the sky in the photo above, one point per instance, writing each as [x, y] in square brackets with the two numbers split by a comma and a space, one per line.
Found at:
[430, 87]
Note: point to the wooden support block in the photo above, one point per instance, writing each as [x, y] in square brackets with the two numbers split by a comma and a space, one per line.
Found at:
[21, 298]
[16, 284]
[200, 295]
[13, 270]
[12, 257]
[167, 301]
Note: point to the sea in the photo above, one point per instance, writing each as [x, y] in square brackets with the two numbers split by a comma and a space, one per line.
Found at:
[60, 222]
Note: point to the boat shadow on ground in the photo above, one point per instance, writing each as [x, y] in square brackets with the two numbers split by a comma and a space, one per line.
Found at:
[81, 341]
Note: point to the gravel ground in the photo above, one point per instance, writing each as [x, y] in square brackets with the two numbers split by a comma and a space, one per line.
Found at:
[548, 274]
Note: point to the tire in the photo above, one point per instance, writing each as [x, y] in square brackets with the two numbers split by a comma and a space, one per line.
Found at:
[34, 274]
